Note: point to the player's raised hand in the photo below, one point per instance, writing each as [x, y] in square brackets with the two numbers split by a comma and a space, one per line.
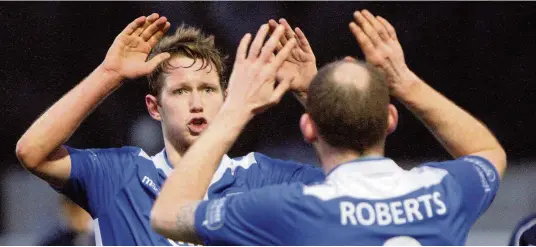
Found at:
[379, 43]
[252, 85]
[128, 53]
[300, 67]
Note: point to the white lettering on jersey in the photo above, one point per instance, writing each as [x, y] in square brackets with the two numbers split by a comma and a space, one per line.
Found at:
[426, 199]
[347, 213]
[411, 206]
[149, 182]
[360, 214]
[442, 207]
[395, 212]
[382, 213]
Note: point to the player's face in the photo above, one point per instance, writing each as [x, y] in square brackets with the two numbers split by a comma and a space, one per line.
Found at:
[190, 99]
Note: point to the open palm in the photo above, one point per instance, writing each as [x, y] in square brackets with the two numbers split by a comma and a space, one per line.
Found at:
[379, 43]
[128, 54]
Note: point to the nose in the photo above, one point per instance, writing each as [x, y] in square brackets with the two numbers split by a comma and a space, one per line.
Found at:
[196, 103]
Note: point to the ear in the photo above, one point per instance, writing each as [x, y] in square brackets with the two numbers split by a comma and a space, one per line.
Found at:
[350, 59]
[392, 121]
[152, 107]
[308, 128]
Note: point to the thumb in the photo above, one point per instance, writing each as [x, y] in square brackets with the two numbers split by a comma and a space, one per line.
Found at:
[155, 61]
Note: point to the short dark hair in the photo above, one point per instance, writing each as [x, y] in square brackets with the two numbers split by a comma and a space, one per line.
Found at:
[187, 41]
[349, 116]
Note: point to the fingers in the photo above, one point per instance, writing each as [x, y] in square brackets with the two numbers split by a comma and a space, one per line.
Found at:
[256, 46]
[280, 91]
[289, 34]
[364, 41]
[378, 27]
[155, 61]
[131, 27]
[270, 45]
[367, 27]
[150, 19]
[241, 52]
[302, 41]
[390, 29]
[273, 25]
[284, 53]
[155, 38]
[160, 23]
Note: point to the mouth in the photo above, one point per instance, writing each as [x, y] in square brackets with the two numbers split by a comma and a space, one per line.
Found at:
[197, 125]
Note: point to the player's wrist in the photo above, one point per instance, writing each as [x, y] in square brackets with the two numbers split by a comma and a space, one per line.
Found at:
[240, 113]
[306, 79]
[403, 84]
[108, 76]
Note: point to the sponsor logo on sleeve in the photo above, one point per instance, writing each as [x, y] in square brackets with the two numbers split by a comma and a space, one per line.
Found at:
[215, 214]
[486, 173]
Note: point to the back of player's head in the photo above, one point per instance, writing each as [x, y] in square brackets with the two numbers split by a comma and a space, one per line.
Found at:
[191, 42]
[348, 102]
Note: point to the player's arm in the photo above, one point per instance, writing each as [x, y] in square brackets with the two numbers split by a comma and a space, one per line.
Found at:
[251, 90]
[460, 133]
[40, 149]
[300, 67]
[264, 216]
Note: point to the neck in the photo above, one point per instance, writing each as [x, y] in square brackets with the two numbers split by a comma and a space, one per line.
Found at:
[331, 157]
[174, 151]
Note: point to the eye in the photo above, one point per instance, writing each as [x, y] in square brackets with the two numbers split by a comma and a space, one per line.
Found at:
[209, 90]
[179, 91]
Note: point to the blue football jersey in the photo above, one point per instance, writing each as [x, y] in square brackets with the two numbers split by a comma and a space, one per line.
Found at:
[368, 201]
[118, 187]
[525, 232]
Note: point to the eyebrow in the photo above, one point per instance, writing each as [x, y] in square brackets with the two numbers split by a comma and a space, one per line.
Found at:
[205, 84]
[200, 84]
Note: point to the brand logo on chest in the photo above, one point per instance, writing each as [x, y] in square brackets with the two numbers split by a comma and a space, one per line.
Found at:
[149, 182]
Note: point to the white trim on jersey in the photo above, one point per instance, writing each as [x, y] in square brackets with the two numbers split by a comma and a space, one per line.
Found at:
[522, 229]
[225, 163]
[374, 180]
[144, 154]
[159, 161]
[244, 162]
[98, 237]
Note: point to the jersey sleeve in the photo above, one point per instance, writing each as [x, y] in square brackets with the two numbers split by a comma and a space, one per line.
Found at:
[265, 171]
[265, 216]
[525, 232]
[96, 175]
[478, 180]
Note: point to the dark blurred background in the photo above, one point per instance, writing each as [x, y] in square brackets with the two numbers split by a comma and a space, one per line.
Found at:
[479, 54]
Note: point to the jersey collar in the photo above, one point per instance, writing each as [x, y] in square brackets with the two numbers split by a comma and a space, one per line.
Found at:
[365, 166]
[161, 162]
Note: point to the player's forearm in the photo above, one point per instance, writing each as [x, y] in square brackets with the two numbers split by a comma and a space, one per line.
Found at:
[200, 162]
[57, 124]
[459, 132]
